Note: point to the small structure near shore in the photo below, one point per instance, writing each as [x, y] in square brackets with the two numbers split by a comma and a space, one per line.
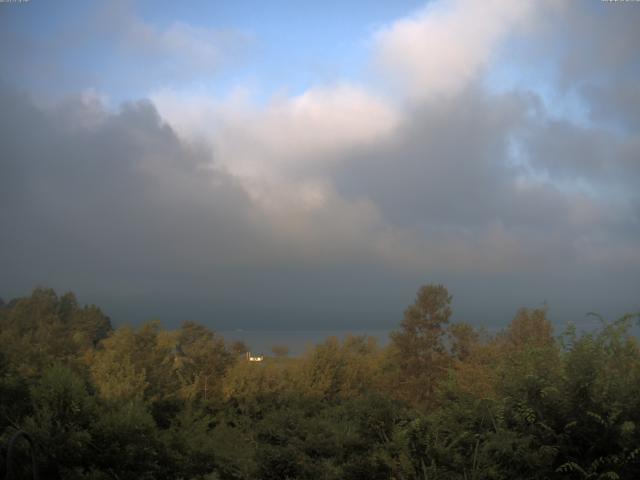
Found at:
[257, 358]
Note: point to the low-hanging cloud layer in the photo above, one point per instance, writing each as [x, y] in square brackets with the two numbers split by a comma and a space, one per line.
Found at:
[331, 206]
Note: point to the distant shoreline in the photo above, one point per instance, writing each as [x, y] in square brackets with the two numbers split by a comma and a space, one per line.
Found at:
[261, 341]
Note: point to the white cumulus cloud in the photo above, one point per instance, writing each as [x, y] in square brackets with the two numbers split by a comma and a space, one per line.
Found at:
[439, 49]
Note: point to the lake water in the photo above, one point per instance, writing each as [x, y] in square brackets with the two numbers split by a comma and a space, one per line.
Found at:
[261, 342]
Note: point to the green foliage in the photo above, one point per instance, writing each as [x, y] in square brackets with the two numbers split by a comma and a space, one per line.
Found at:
[63, 416]
[440, 402]
[333, 370]
[126, 441]
[39, 330]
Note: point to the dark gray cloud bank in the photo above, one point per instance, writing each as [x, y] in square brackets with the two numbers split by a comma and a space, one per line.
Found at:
[117, 208]
[492, 194]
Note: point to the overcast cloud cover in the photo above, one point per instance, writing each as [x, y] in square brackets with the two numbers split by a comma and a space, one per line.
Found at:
[494, 146]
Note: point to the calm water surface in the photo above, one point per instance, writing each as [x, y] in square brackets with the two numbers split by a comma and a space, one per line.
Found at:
[261, 342]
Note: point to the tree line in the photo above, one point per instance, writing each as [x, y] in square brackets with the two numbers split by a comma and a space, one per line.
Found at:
[443, 400]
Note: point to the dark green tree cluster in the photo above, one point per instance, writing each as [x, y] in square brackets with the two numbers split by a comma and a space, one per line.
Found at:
[441, 401]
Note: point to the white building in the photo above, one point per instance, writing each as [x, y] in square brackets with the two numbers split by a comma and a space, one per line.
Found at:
[251, 358]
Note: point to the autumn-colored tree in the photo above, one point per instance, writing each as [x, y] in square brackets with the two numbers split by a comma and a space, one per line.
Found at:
[518, 404]
[530, 328]
[117, 369]
[201, 360]
[463, 340]
[474, 359]
[420, 351]
[335, 370]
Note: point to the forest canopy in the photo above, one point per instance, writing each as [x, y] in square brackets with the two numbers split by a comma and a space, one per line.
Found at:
[443, 400]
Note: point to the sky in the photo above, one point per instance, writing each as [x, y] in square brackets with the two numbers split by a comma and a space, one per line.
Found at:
[308, 165]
